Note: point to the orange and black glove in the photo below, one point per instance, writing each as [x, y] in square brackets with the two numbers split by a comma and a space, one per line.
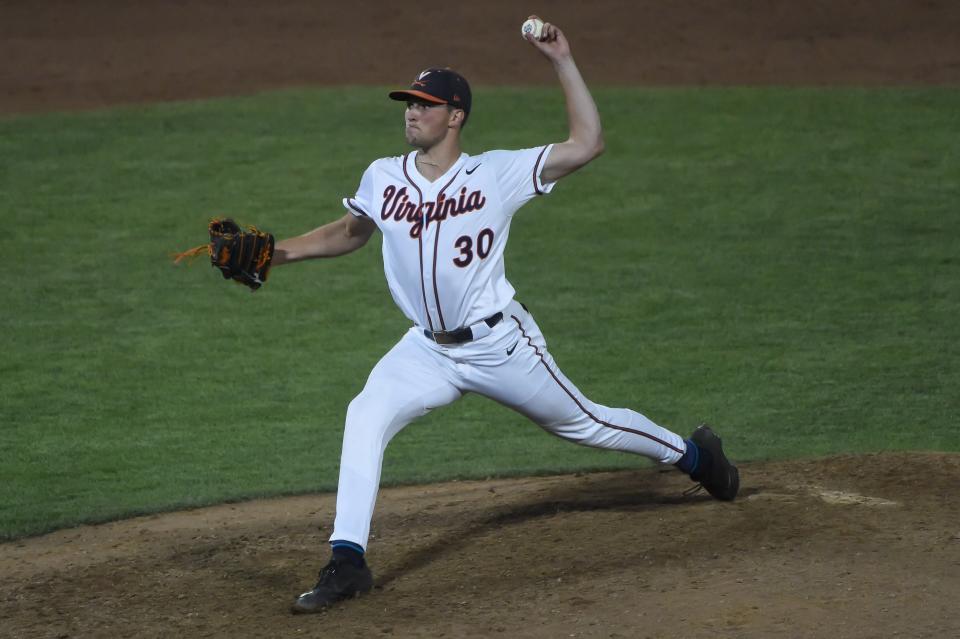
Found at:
[242, 255]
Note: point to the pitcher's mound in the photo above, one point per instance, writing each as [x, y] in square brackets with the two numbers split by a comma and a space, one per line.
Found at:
[849, 546]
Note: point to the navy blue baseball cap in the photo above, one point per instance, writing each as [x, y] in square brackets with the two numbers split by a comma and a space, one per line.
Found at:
[439, 86]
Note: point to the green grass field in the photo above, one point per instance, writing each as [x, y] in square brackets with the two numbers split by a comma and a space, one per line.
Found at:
[782, 263]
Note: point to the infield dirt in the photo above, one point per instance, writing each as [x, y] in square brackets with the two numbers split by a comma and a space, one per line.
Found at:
[865, 546]
[55, 55]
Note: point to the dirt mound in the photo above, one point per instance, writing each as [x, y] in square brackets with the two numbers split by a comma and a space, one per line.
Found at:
[849, 546]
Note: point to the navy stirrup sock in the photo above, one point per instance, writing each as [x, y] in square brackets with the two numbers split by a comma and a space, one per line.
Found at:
[691, 458]
[349, 551]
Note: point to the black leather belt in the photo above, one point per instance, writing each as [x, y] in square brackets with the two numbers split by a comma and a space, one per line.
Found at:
[460, 335]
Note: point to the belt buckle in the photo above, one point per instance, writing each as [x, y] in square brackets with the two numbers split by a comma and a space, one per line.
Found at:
[443, 337]
[456, 336]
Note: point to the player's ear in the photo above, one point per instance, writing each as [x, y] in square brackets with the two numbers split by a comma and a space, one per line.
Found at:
[456, 118]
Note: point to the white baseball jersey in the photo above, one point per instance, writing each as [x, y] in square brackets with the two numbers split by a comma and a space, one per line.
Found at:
[443, 244]
[443, 241]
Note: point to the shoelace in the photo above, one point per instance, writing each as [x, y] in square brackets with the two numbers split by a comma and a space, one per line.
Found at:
[327, 573]
[693, 490]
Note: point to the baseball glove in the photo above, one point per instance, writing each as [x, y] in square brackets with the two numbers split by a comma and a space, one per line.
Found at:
[242, 255]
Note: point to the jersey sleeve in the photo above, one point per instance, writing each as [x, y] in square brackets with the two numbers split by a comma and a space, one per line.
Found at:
[359, 205]
[518, 175]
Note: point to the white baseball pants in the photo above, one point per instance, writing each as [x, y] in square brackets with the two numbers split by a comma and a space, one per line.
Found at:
[418, 375]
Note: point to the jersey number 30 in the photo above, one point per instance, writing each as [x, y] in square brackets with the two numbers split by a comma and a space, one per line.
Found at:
[465, 244]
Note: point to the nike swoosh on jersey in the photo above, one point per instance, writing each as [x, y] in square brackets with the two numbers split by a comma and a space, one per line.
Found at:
[512, 348]
[470, 171]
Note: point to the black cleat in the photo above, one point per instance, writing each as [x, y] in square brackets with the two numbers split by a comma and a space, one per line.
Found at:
[339, 580]
[714, 471]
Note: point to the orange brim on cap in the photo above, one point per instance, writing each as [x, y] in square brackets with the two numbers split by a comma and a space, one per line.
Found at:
[404, 94]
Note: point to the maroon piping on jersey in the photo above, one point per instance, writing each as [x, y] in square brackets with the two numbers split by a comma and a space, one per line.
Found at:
[581, 406]
[536, 171]
[436, 242]
[423, 288]
[355, 207]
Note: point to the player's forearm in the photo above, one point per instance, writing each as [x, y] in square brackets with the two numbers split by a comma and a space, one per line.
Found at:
[586, 133]
[586, 136]
[330, 240]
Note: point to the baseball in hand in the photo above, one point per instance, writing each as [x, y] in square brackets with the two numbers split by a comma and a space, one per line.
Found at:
[533, 26]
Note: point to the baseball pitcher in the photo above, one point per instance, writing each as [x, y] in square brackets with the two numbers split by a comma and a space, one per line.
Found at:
[445, 219]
